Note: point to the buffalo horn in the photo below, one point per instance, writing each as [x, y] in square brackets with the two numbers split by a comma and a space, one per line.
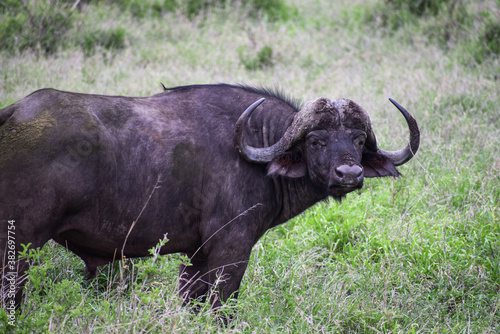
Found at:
[253, 154]
[405, 154]
[304, 121]
[250, 153]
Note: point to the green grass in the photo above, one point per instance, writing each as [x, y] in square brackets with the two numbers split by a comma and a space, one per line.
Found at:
[418, 254]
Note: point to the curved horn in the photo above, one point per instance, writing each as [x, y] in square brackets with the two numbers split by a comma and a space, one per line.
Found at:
[250, 153]
[253, 154]
[405, 154]
[315, 114]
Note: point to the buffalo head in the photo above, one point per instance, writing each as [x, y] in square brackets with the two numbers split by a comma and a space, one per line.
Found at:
[332, 143]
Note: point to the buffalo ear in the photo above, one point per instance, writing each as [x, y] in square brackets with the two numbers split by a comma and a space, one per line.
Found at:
[377, 165]
[289, 164]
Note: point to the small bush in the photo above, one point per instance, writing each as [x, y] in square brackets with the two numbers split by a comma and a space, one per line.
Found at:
[445, 23]
[273, 10]
[489, 45]
[193, 8]
[147, 8]
[420, 7]
[36, 25]
[263, 58]
[397, 13]
[113, 39]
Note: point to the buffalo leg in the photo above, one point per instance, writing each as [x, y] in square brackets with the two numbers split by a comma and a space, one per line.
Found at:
[224, 276]
[13, 267]
[193, 281]
[13, 279]
[217, 276]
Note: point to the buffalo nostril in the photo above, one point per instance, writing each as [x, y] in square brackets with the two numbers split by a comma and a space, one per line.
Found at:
[339, 173]
[348, 173]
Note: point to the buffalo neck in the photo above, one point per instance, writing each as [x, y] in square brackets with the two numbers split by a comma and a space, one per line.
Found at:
[294, 196]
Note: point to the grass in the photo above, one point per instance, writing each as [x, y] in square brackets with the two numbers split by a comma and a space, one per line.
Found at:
[420, 254]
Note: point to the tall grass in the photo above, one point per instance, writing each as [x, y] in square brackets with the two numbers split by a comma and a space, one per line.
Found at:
[419, 254]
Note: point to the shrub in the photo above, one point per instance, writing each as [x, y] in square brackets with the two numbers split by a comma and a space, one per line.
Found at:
[273, 10]
[36, 25]
[420, 7]
[263, 58]
[490, 45]
[112, 39]
[397, 13]
[145, 8]
[193, 8]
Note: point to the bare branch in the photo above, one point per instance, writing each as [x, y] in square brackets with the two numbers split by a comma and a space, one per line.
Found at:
[139, 216]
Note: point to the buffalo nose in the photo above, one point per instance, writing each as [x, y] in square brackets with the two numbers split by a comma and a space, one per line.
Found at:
[349, 175]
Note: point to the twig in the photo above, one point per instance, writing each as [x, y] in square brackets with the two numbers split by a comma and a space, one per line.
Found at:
[140, 213]
[76, 4]
[223, 226]
[189, 282]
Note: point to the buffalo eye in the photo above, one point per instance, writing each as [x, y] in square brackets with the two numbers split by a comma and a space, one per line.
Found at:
[360, 140]
[316, 143]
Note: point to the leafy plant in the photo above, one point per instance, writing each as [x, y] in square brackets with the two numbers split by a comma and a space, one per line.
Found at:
[489, 43]
[36, 25]
[421, 7]
[112, 39]
[147, 8]
[273, 10]
[263, 59]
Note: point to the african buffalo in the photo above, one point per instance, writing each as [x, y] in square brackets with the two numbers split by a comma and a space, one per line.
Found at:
[108, 176]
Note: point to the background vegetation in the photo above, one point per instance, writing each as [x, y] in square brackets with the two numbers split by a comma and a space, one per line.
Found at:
[419, 254]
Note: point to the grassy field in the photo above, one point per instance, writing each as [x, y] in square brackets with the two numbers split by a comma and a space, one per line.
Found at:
[418, 254]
